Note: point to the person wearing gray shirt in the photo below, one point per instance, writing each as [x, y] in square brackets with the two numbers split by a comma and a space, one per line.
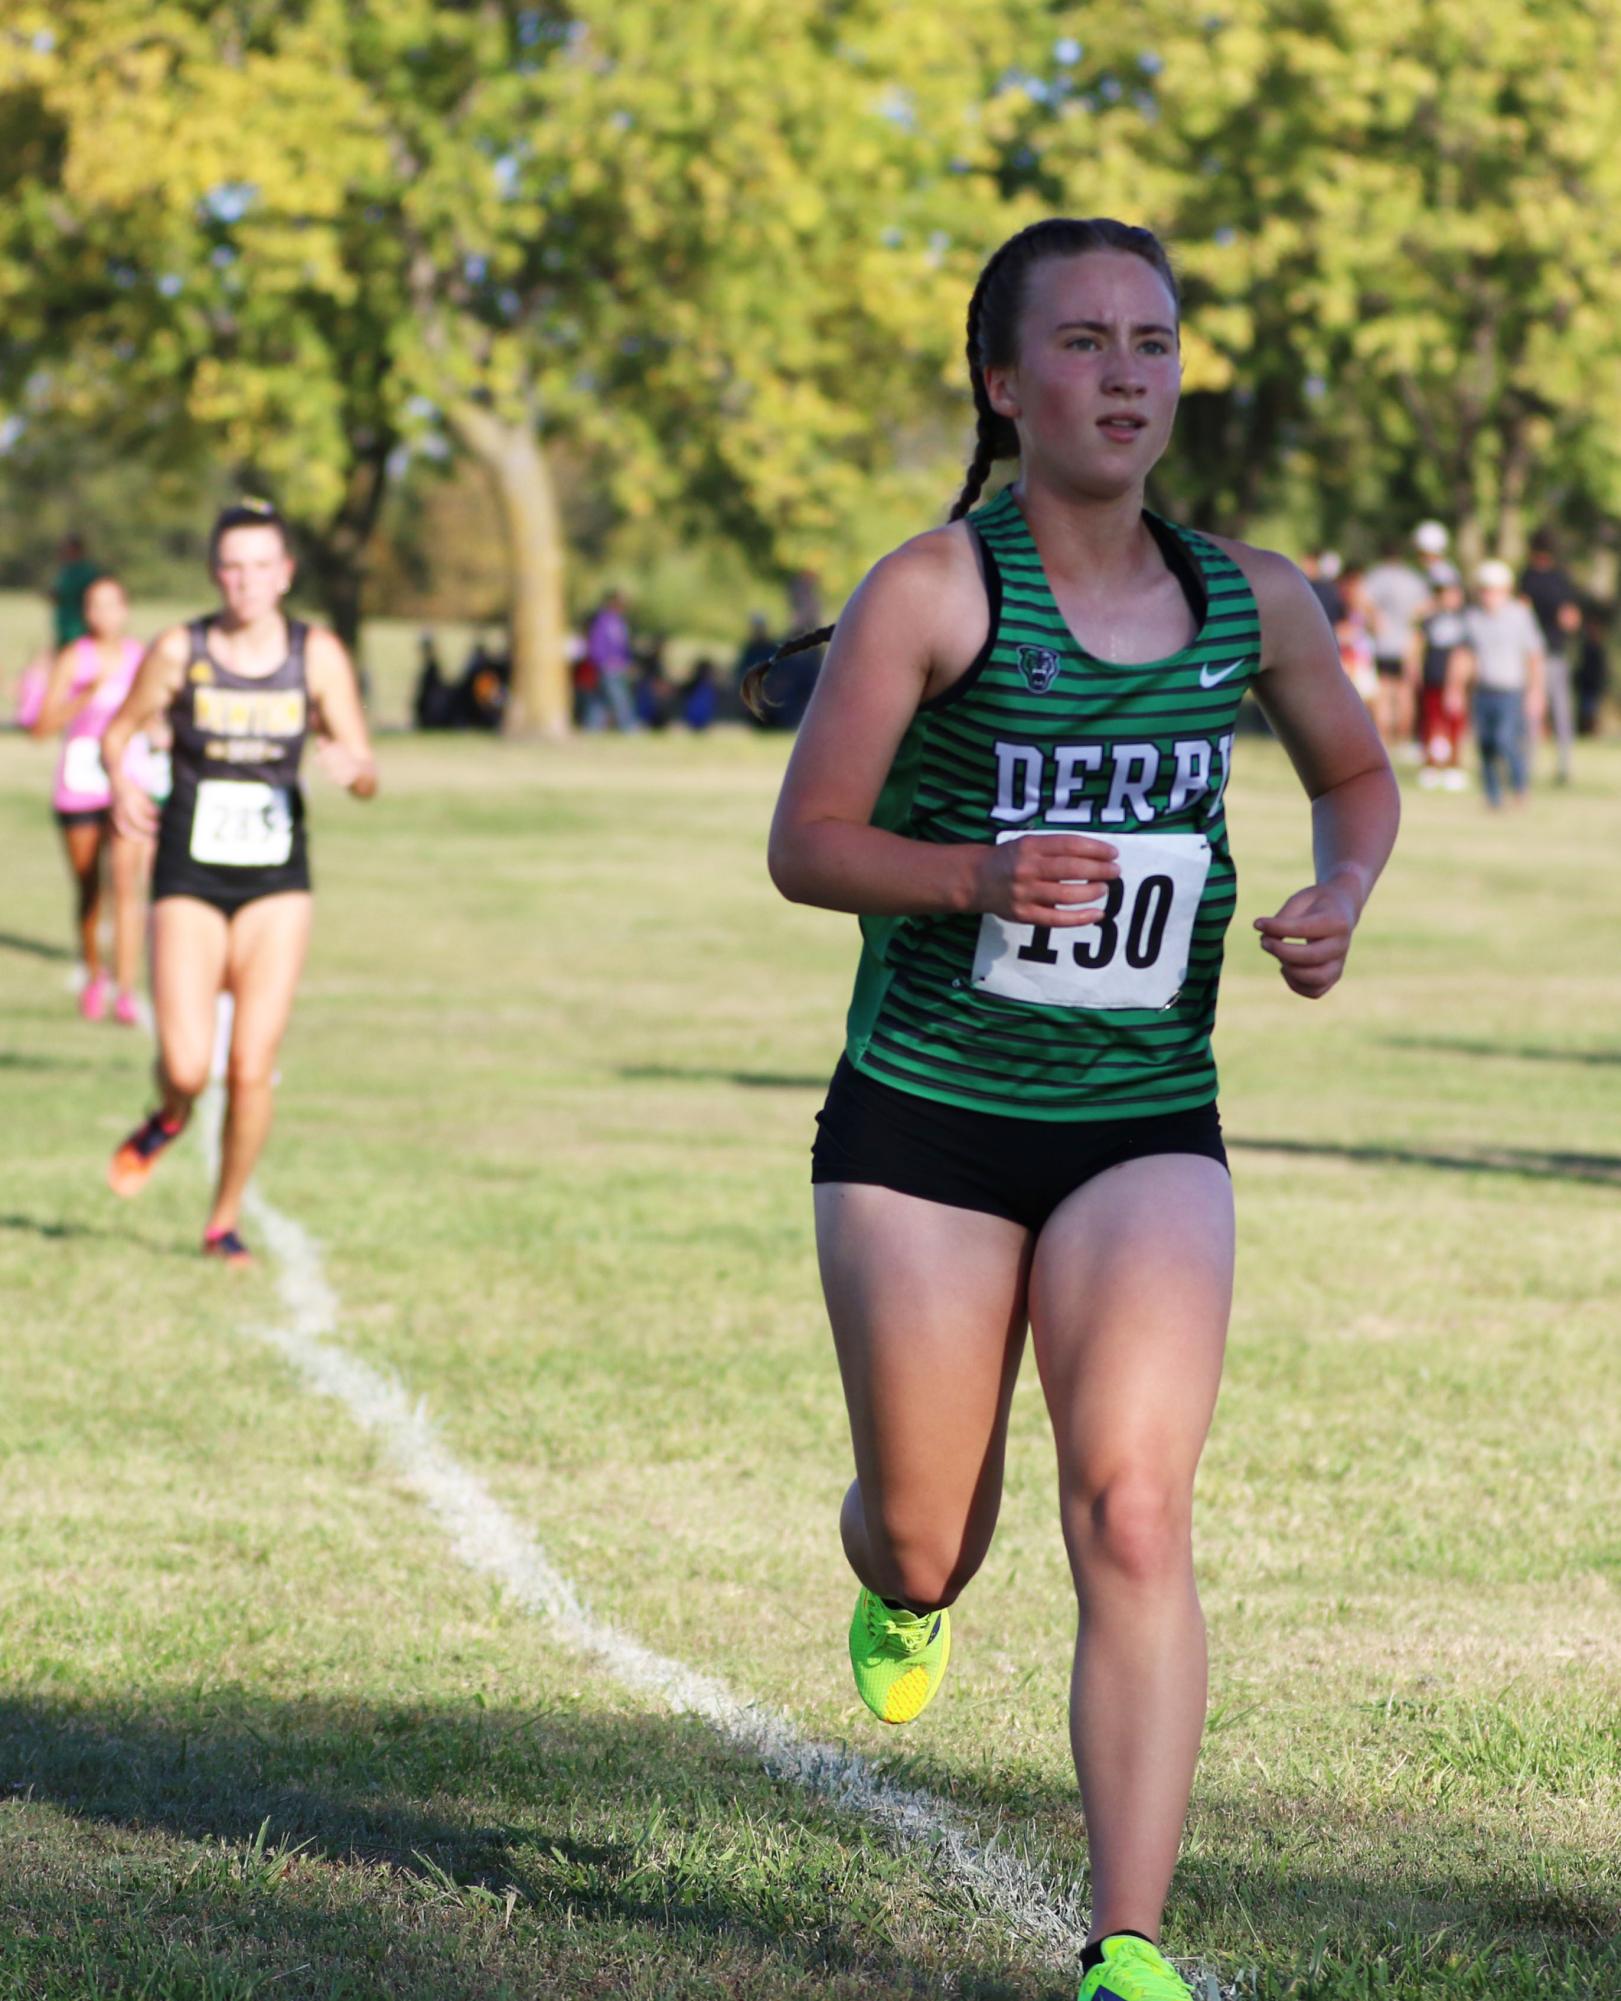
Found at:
[1502, 654]
[1398, 597]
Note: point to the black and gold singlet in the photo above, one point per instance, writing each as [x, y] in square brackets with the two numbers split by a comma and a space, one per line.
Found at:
[234, 820]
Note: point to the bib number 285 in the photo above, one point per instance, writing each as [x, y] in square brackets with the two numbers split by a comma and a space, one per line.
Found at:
[1134, 956]
[241, 824]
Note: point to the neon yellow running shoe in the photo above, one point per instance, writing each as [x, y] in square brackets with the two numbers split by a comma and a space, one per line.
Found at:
[1133, 1970]
[899, 1657]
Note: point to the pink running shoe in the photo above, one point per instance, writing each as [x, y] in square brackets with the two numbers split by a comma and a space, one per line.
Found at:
[227, 1246]
[126, 1012]
[93, 998]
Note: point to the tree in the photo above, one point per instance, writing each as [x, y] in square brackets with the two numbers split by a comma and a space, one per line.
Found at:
[728, 276]
[317, 231]
[172, 254]
[1399, 227]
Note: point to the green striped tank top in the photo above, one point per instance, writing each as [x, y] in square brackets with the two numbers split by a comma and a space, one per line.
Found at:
[1097, 1021]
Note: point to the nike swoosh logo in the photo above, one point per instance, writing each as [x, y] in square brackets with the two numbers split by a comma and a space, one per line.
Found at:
[1209, 680]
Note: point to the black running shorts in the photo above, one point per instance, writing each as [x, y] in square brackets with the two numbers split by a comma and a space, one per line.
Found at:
[226, 889]
[1018, 1168]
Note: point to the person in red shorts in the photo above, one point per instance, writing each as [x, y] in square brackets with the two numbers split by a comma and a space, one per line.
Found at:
[1435, 639]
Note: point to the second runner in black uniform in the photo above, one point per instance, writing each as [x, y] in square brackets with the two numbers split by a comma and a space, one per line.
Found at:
[242, 689]
[233, 826]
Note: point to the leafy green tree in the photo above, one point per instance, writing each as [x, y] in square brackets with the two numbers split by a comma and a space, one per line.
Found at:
[1400, 231]
[174, 265]
[718, 248]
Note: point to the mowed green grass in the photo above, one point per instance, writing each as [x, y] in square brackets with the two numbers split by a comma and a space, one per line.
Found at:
[546, 1106]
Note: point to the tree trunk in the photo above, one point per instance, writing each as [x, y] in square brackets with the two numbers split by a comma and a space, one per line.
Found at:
[511, 455]
[1468, 524]
[337, 557]
[1516, 475]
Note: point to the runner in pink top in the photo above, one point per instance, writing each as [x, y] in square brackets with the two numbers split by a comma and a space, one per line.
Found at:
[87, 686]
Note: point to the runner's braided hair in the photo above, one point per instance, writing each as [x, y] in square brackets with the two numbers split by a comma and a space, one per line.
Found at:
[994, 312]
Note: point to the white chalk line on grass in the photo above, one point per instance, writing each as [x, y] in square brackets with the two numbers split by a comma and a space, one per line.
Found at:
[993, 1876]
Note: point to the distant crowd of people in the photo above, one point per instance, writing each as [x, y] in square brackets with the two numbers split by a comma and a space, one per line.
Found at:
[1516, 655]
[619, 682]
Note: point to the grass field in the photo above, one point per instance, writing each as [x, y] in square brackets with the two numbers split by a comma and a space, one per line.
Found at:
[545, 1108]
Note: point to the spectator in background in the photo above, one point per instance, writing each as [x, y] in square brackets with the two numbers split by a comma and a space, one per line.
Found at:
[1502, 658]
[654, 695]
[1398, 598]
[1355, 642]
[1592, 671]
[75, 572]
[1558, 608]
[1322, 573]
[590, 703]
[480, 696]
[1430, 539]
[700, 696]
[607, 646]
[434, 703]
[1440, 724]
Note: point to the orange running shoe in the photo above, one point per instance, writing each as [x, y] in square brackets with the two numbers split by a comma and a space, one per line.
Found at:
[132, 1164]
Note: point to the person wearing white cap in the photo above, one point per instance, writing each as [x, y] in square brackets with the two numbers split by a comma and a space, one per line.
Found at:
[1502, 655]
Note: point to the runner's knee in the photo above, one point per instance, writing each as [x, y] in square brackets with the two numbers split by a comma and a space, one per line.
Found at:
[250, 1070]
[1136, 1525]
[187, 1073]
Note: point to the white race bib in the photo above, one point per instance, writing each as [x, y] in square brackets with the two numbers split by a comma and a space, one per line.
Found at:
[238, 823]
[82, 769]
[1135, 955]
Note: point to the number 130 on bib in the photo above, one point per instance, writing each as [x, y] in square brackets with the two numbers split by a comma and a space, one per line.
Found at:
[1134, 956]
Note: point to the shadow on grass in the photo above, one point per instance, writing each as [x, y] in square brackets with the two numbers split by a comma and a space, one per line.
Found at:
[1602, 1169]
[1439, 1900]
[223, 1847]
[53, 1230]
[227, 1846]
[34, 948]
[754, 1080]
[1519, 1052]
[467, 1850]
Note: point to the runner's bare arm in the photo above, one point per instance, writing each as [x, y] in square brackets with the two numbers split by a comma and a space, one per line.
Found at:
[1332, 743]
[157, 682]
[59, 705]
[344, 752]
[915, 623]
[1536, 686]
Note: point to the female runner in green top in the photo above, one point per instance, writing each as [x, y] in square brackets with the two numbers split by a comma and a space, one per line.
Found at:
[1013, 769]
